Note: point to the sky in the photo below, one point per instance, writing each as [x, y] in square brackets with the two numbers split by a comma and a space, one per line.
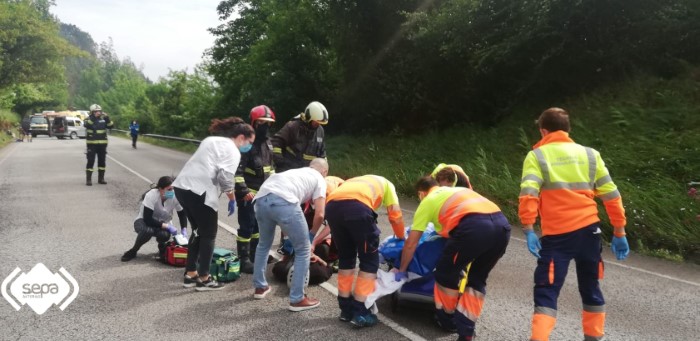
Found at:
[158, 35]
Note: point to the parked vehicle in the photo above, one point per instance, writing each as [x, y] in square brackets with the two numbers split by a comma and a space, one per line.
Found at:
[68, 126]
[39, 124]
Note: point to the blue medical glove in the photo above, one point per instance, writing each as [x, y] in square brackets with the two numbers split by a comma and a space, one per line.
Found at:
[400, 275]
[533, 243]
[171, 229]
[620, 247]
[231, 207]
[183, 231]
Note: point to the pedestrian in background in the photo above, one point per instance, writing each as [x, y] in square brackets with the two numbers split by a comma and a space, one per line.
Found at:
[96, 137]
[207, 173]
[278, 202]
[134, 128]
[560, 180]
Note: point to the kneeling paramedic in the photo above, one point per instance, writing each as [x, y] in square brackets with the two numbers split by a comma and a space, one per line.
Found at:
[353, 224]
[155, 218]
[478, 235]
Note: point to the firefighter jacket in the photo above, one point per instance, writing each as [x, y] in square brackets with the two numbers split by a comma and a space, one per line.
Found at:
[255, 167]
[96, 129]
[560, 180]
[373, 191]
[296, 144]
[446, 206]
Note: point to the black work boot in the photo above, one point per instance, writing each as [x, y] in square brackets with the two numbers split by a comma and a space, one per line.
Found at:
[129, 255]
[101, 177]
[244, 257]
[346, 308]
[88, 178]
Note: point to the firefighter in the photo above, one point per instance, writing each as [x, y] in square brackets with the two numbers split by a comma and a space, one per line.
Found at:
[255, 167]
[353, 224]
[451, 176]
[560, 180]
[96, 127]
[478, 235]
[301, 139]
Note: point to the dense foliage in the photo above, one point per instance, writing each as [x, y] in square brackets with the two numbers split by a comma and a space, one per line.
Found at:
[410, 83]
[410, 64]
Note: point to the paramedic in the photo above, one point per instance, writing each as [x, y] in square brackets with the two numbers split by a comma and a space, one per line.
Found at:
[478, 235]
[353, 224]
[155, 218]
[560, 180]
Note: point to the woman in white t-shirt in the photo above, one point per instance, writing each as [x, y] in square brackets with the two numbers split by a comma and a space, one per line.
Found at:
[210, 171]
[155, 217]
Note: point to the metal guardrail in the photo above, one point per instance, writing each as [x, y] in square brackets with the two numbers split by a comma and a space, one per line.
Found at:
[164, 137]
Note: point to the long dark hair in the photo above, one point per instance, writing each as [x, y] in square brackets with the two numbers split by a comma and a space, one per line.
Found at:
[231, 127]
[163, 182]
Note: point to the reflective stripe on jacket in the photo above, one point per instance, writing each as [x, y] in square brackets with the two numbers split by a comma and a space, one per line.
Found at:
[296, 144]
[373, 191]
[96, 129]
[560, 180]
[255, 167]
[446, 206]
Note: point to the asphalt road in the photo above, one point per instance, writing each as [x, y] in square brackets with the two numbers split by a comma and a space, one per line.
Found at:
[49, 216]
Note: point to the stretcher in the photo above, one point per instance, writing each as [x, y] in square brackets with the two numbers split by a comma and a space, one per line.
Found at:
[419, 290]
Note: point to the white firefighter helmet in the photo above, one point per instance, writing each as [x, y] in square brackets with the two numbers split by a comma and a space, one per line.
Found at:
[315, 111]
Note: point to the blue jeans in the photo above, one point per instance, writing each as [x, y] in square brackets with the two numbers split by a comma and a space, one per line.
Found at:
[271, 211]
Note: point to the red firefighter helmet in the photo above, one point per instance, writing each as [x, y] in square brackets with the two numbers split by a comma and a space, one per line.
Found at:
[263, 113]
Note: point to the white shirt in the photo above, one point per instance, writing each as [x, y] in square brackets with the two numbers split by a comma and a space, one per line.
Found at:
[213, 165]
[295, 186]
[162, 210]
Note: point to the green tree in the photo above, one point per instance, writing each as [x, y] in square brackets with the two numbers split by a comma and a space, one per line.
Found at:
[31, 49]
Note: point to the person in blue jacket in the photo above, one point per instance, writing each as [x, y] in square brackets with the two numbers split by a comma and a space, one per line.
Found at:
[134, 128]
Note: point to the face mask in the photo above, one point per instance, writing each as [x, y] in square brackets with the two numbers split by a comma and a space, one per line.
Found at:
[169, 194]
[246, 148]
[261, 130]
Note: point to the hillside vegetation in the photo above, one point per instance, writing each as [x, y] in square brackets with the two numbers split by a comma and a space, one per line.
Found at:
[648, 132]
[411, 83]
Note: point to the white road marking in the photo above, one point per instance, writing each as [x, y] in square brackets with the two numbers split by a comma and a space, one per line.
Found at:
[329, 287]
[8, 155]
[618, 264]
[148, 181]
[383, 319]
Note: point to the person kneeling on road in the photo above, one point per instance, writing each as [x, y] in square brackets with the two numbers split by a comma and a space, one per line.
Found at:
[155, 218]
[278, 203]
[478, 235]
[353, 225]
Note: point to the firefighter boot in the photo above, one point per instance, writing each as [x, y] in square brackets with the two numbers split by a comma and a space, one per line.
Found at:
[88, 178]
[244, 256]
[101, 177]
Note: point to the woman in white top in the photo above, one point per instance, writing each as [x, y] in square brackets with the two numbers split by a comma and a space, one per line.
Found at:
[155, 217]
[208, 172]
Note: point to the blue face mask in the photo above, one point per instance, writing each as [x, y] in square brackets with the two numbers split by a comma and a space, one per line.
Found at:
[169, 194]
[246, 148]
